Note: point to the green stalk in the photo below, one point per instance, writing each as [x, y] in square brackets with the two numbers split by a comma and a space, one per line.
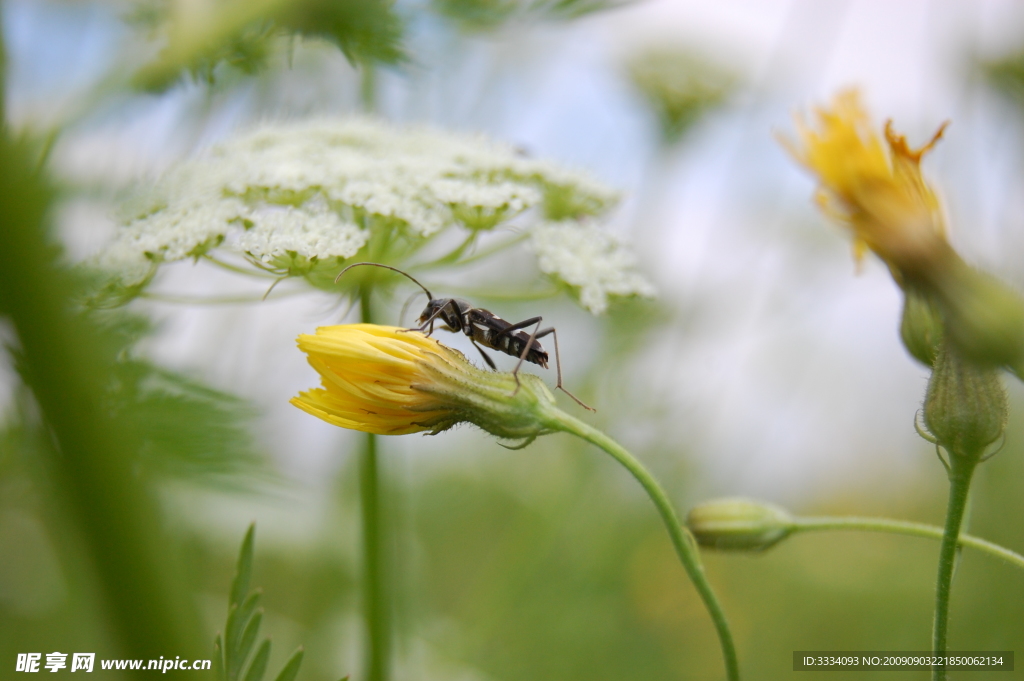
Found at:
[91, 467]
[212, 300]
[376, 605]
[368, 87]
[961, 469]
[247, 271]
[904, 527]
[683, 542]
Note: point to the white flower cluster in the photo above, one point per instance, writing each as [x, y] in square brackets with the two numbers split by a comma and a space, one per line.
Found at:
[591, 260]
[309, 232]
[314, 189]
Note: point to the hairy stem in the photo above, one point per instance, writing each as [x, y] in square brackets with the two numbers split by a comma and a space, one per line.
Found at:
[960, 471]
[682, 540]
[904, 527]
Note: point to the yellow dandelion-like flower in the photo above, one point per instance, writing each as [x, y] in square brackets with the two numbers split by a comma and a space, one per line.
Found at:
[392, 381]
[874, 186]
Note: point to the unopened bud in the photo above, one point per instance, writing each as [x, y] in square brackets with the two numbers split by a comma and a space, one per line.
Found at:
[921, 327]
[965, 406]
[739, 524]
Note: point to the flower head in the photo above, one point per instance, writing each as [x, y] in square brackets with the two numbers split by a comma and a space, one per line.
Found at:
[589, 260]
[679, 86]
[297, 196]
[874, 187]
[391, 381]
[877, 190]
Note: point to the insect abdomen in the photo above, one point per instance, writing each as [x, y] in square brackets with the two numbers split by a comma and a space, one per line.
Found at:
[509, 343]
[536, 354]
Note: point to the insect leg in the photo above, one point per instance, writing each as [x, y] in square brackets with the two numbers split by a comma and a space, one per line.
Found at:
[537, 333]
[487, 358]
[526, 347]
[518, 325]
[558, 369]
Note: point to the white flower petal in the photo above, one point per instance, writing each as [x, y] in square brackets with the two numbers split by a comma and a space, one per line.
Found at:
[303, 187]
[280, 231]
[591, 260]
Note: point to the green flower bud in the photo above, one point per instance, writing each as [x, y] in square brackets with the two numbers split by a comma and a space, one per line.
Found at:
[984, 317]
[921, 327]
[738, 524]
[965, 406]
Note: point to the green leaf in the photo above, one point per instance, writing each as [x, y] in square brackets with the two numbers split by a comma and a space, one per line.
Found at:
[259, 662]
[243, 36]
[364, 30]
[243, 575]
[245, 644]
[238, 619]
[488, 15]
[248, 51]
[291, 668]
[185, 429]
[218, 659]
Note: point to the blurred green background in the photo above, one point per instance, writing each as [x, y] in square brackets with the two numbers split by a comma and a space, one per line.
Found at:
[765, 367]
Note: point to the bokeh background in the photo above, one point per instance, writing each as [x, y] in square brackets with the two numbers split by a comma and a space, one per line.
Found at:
[768, 366]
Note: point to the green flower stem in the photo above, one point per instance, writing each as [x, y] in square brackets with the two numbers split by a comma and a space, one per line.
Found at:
[376, 594]
[247, 271]
[961, 469]
[453, 256]
[368, 87]
[517, 296]
[214, 300]
[682, 540]
[484, 253]
[903, 527]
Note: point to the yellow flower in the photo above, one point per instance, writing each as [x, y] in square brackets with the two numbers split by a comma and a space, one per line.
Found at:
[391, 381]
[874, 187]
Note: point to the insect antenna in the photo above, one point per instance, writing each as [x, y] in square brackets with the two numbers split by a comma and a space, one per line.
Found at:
[430, 296]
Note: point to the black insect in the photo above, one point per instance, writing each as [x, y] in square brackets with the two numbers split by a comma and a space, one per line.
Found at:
[486, 329]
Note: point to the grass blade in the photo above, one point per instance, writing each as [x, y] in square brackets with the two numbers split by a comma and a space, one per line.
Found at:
[259, 663]
[291, 668]
[240, 585]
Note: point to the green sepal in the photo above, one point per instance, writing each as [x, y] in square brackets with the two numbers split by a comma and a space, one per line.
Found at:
[965, 406]
[921, 327]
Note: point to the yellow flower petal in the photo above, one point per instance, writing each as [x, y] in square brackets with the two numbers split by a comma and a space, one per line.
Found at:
[873, 185]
